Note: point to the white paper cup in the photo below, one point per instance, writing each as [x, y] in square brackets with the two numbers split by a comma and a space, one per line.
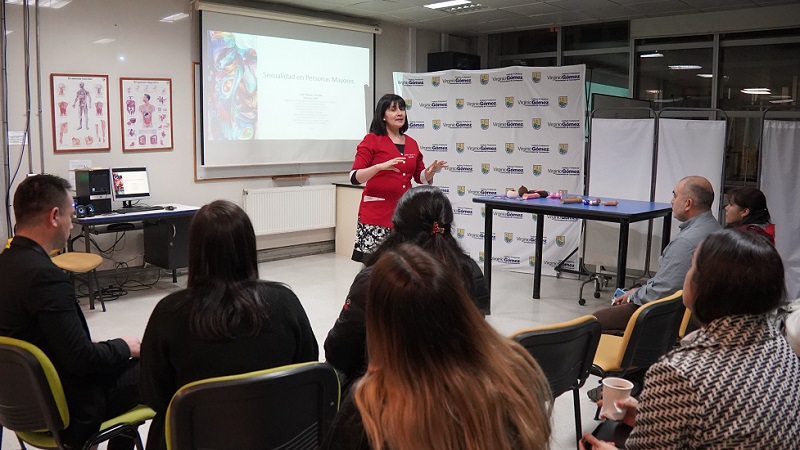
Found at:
[615, 389]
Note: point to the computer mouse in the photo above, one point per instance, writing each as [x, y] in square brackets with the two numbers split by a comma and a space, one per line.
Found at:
[169, 208]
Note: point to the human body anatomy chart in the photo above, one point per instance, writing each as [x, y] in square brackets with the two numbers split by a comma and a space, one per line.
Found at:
[146, 111]
[80, 112]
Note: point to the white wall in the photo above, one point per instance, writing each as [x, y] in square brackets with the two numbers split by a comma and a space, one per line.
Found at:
[153, 49]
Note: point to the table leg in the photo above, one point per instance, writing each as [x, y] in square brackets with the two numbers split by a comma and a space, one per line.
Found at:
[487, 252]
[537, 266]
[665, 231]
[622, 253]
[174, 275]
[89, 283]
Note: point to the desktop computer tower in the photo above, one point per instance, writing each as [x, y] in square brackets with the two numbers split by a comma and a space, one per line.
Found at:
[93, 187]
[166, 242]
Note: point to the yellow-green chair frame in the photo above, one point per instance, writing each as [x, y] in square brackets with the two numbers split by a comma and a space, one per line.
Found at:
[33, 404]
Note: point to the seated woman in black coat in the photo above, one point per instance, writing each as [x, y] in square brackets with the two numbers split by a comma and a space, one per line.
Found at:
[424, 216]
[226, 322]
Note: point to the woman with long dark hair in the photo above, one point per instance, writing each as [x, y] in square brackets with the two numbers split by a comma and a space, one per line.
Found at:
[424, 217]
[747, 210]
[387, 160]
[225, 322]
[440, 377]
[736, 383]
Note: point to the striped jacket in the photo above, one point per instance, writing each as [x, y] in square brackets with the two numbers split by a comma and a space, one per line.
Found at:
[735, 386]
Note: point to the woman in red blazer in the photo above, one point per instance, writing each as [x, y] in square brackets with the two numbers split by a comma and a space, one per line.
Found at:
[386, 160]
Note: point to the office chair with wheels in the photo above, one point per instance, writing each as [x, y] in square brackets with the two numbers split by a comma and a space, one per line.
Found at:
[79, 263]
[651, 333]
[565, 352]
[288, 408]
[33, 405]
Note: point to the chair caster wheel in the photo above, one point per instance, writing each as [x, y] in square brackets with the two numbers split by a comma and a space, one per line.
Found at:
[596, 295]
[582, 301]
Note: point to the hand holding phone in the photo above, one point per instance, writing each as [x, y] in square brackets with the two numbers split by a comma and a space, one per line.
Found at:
[618, 293]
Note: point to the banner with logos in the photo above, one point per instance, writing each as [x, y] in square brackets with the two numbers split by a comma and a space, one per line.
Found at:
[500, 129]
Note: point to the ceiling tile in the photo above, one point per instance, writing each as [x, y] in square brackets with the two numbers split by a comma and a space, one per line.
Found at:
[417, 14]
[506, 3]
[610, 13]
[377, 6]
[718, 4]
[536, 8]
[663, 6]
[634, 2]
[580, 5]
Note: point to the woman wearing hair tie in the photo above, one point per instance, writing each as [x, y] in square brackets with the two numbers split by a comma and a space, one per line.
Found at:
[424, 217]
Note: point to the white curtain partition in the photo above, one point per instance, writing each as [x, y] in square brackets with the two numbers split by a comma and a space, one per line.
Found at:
[688, 147]
[620, 166]
[499, 129]
[780, 161]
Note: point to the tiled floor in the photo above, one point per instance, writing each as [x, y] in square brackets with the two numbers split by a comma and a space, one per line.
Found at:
[322, 281]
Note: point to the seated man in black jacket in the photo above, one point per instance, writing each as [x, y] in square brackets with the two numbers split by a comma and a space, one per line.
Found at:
[424, 217]
[38, 305]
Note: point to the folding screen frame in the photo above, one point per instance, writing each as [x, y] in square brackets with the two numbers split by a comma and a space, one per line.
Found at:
[784, 241]
[666, 113]
[696, 113]
[617, 186]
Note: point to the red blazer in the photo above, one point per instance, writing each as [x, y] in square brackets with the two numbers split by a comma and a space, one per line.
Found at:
[382, 191]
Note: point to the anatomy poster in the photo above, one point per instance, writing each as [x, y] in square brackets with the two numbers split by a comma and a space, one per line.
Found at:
[80, 112]
[146, 113]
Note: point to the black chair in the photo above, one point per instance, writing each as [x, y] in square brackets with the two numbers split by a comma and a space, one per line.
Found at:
[288, 407]
[565, 352]
[33, 405]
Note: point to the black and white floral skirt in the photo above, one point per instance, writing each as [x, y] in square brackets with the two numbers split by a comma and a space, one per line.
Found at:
[367, 239]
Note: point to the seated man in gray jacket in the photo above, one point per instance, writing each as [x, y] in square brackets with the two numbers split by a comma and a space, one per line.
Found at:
[691, 204]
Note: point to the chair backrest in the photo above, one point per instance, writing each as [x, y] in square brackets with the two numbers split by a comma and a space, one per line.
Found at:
[288, 407]
[31, 395]
[564, 351]
[651, 331]
[687, 319]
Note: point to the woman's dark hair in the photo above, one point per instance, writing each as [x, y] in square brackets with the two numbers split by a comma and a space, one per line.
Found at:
[223, 273]
[736, 273]
[378, 126]
[414, 217]
[752, 199]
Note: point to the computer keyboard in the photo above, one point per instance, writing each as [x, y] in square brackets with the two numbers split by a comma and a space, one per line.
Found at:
[136, 209]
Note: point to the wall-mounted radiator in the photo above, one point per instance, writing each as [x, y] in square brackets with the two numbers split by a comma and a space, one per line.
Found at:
[287, 209]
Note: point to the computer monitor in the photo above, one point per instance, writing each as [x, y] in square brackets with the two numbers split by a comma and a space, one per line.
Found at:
[129, 183]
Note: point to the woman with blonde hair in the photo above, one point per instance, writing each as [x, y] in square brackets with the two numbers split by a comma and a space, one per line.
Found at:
[439, 376]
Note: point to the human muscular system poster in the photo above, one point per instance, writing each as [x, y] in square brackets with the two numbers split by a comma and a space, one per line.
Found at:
[146, 114]
[80, 112]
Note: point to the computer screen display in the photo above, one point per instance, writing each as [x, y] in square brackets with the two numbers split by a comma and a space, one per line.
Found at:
[130, 183]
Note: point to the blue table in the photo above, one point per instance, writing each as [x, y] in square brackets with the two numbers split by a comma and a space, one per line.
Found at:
[625, 213]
